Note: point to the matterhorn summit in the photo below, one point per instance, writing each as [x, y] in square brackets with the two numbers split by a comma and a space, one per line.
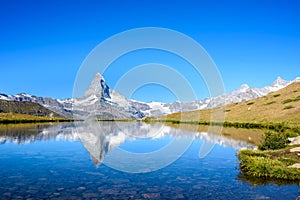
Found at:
[100, 101]
[98, 87]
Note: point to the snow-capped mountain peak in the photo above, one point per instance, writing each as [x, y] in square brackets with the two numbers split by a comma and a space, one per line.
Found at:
[243, 88]
[279, 82]
[98, 87]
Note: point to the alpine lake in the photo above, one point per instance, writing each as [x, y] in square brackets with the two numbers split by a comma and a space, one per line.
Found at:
[129, 160]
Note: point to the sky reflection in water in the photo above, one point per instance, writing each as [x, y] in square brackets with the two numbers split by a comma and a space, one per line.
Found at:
[56, 163]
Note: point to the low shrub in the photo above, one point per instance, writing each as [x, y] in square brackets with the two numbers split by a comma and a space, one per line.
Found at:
[274, 140]
[296, 130]
[291, 134]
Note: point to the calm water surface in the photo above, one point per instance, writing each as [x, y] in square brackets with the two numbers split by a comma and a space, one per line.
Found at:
[68, 161]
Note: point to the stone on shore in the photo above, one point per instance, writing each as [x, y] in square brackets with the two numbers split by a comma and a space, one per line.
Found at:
[296, 165]
[295, 140]
[296, 149]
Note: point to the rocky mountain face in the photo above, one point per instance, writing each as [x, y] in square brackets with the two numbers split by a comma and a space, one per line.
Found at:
[61, 107]
[103, 102]
[25, 107]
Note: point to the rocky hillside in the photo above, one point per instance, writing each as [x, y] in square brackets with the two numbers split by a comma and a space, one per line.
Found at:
[25, 107]
[282, 106]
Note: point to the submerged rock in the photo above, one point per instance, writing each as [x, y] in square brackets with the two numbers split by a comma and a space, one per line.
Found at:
[151, 195]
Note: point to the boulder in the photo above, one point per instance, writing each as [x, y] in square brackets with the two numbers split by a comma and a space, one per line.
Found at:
[295, 140]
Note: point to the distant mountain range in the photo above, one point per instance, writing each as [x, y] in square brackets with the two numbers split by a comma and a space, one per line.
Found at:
[281, 107]
[105, 103]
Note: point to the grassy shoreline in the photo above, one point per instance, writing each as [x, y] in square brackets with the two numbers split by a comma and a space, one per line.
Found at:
[10, 118]
[278, 127]
[22, 121]
[270, 164]
[275, 158]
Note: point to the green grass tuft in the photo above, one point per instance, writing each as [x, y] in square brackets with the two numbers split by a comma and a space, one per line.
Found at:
[271, 102]
[288, 107]
[291, 100]
[287, 101]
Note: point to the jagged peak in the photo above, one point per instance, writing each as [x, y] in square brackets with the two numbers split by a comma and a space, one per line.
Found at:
[22, 93]
[297, 79]
[279, 81]
[99, 76]
[98, 87]
[243, 88]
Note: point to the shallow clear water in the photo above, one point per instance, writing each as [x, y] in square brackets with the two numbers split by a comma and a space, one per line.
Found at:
[65, 161]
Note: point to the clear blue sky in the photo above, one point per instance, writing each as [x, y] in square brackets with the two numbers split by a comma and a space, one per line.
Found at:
[43, 43]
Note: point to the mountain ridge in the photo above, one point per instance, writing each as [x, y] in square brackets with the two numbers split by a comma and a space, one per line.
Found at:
[103, 102]
[281, 106]
[29, 108]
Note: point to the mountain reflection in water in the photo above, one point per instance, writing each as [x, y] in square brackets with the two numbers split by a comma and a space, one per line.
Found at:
[100, 138]
[53, 161]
